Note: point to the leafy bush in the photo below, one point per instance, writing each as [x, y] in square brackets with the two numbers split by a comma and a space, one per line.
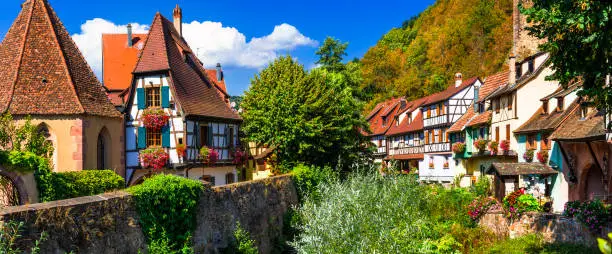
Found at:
[10, 234]
[605, 245]
[84, 183]
[517, 203]
[308, 178]
[368, 213]
[24, 161]
[482, 187]
[167, 207]
[594, 214]
[532, 244]
[242, 242]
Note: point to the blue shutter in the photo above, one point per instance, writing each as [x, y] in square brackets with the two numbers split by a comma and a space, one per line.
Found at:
[142, 138]
[166, 136]
[165, 97]
[141, 98]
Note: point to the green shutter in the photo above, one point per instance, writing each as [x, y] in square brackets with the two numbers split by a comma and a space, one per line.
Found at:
[166, 136]
[140, 96]
[165, 97]
[142, 138]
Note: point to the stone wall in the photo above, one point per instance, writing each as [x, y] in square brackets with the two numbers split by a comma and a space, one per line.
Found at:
[554, 228]
[108, 223]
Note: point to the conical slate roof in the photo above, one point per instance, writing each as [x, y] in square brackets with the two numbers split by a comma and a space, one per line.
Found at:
[42, 72]
[166, 50]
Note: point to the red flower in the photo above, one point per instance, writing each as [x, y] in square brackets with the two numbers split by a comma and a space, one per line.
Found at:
[154, 157]
[154, 118]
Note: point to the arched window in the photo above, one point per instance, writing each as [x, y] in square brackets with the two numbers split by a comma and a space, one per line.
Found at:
[103, 149]
[44, 130]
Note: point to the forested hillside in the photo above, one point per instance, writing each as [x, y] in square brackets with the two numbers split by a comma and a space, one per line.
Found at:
[421, 57]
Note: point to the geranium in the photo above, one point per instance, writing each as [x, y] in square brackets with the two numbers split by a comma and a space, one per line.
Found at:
[431, 165]
[542, 156]
[480, 206]
[240, 157]
[458, 147]
[493, 147]
[505, 145]
[209, 155]
[481, 144]
[154, 118]
[153, 157]
[181, 150]
[528, 156]
[445, 164]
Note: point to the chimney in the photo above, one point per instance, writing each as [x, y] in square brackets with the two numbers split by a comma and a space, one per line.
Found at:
[515, 40]
[178, 19]
[219, 72]
[458, 79]
[130, 41]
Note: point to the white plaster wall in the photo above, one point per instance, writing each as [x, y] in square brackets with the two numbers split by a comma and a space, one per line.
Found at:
[438, 173]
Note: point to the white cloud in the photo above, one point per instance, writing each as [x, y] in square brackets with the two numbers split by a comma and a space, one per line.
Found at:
[213, 42]
[90, 39]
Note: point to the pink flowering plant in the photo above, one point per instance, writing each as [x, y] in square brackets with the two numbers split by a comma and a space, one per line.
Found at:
[505, 145]
[154, 158]
[517, 203]
[480, 206]
[528, 156]
[209, 155]
[240, 156]
[154, 118]
[594, 214]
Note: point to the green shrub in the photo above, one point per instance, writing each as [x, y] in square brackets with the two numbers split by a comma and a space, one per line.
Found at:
[22, 161]
[482, 187]
[242, 242]
[10, 234]
[167, 206]
[368, 213]
[308, 178]
[85, 183]
[532, 244]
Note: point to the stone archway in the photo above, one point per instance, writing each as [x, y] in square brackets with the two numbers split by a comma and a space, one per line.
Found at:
[12, 189]
[593, 184]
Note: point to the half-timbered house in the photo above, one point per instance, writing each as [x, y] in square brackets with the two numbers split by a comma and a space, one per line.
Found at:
[405, 137]
[169, 76]
[475, 124]
[380, 119]
[440, 112]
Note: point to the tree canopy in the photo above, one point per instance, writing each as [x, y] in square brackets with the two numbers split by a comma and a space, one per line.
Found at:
[312, 118]
[473, 37]
[579, 40]
[331, 54]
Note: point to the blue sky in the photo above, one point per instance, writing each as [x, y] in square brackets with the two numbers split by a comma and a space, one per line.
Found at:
[242, 35]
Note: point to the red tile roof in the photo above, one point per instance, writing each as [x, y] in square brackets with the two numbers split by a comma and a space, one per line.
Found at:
[404, 127]
[42, 72]
[119, 60]
[450, 91]
[212, 76]
[197, 95]
[416, 156]
[376, 122]
[470, 118]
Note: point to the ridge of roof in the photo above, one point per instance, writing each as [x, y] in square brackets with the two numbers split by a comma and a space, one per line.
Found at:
[450, 91]
[149, 61]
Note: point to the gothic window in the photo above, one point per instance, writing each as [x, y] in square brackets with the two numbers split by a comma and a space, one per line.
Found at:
[103, 150]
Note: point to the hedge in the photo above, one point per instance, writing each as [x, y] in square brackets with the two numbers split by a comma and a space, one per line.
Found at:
[84, 183]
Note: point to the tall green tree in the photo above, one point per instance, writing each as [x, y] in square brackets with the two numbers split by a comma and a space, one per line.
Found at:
[579, 40]
[312, 118]
[331, 54]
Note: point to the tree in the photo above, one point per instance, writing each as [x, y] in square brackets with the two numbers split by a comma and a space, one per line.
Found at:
[312, 118]
[579, 41]
[331, 54]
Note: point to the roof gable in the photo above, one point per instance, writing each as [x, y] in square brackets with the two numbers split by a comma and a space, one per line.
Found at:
[188, 78]
[119, 60]
[450, 91]
[43, 71]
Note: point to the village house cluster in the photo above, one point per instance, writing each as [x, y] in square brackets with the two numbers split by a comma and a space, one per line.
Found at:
[517, 127]
[156, 99]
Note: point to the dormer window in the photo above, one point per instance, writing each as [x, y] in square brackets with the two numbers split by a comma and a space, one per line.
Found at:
[545, 107]
[519, 71]
[584, 111]
[396, 120]
[560, 104]
[384, 119]
[530, 65]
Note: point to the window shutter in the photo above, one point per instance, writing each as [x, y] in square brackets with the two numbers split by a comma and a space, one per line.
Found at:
[165, 136]
[141, 98]
[165, 97]
[142, 138]
[212, 180]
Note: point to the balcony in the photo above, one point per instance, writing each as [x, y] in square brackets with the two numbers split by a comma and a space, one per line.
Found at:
[435, 121]
[381, 151]
[406, 150]
[438, 148]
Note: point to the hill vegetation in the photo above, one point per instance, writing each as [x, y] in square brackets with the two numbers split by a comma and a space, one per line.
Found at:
[473, 37]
